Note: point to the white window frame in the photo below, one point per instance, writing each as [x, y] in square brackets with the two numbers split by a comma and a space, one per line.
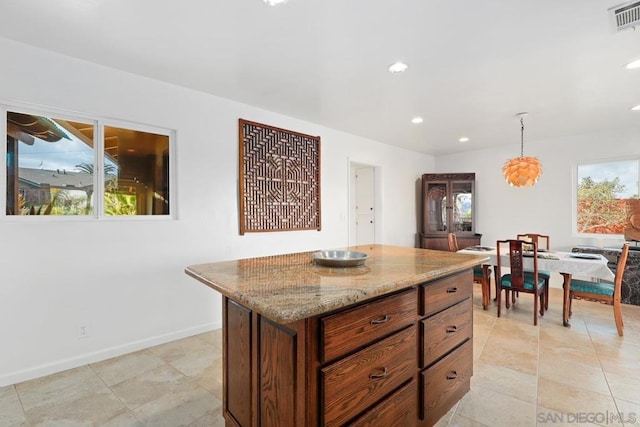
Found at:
[98, 157]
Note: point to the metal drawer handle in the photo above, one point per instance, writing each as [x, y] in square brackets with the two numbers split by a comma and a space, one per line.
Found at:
[452, 329]
[452, 290]
[452, 375]
[379, 320]
[378, 376]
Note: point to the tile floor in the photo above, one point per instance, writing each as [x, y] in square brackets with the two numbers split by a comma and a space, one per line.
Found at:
[523, 376]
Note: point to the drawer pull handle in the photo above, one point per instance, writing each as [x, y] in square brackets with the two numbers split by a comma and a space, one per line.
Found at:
[378, 376]
[452, 329]
[452, 375]
[379, 320]
[452, 290]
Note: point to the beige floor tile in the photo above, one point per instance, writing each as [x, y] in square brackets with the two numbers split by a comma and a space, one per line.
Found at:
[149, 386]
[60, 388]
[574, 374]
[91, 409]
[11, 413]
[622, 365]
[213, 338]
[118, 369]
[561, 353]
[506, 381]
[213, 418]
[565, 337]
[126, 419]
[444, 421]
[175, 350]
[211, 378]
[518, 327]
[460, 421]
[496, 409]
[510, 352]
[624, 387]
[186, 404]
[616, 347]
[196, 363]
[484, 318]
[568, 399]
[629, 411]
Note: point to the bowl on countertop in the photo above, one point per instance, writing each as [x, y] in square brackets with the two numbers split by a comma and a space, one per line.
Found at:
[339, 258]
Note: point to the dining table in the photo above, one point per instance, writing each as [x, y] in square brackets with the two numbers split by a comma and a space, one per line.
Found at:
[568, 264]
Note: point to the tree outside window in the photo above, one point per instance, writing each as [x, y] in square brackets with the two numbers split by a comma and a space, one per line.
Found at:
[607, 195]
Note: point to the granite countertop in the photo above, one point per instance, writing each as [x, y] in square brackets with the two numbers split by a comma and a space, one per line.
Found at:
[287, 288]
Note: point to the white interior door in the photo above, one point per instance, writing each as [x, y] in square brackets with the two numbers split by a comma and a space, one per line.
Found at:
[365, 207]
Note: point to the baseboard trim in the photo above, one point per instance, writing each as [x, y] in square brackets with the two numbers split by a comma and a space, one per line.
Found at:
[97, 356]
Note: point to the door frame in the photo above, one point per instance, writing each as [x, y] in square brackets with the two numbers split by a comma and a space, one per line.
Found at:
[353, 166]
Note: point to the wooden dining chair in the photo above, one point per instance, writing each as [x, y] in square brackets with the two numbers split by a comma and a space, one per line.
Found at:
[518, 280]
[542, 240]
[478, 272]
[604, 292]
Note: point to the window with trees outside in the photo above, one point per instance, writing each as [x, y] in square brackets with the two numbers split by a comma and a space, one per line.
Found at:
[68, 166]
[607, 195]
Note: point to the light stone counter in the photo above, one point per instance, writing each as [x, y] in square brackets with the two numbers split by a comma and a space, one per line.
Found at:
[287, 288]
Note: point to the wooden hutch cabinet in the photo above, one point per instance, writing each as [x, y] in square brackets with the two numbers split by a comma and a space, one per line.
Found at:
[448, 205]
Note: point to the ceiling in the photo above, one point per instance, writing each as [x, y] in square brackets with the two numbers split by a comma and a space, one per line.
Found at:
[473, 65]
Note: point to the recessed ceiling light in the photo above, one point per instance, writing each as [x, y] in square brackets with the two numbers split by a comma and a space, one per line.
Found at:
[398, 67]
[634, 64]
[635, 108]
[417, 120]
[274, 2]
[463, 139]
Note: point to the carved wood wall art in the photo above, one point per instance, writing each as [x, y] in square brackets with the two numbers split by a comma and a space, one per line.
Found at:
[279, 179]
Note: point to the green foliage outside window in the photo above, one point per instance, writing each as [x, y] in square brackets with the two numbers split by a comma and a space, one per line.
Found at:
[600, 209]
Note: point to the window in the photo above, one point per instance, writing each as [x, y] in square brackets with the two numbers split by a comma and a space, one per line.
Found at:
[607, 195]
[51, 167]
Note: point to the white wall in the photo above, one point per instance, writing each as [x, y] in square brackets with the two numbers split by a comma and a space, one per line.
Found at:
[545, 208]
[125, 279]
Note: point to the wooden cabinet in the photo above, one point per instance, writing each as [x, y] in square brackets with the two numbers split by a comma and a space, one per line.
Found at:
[348, 330]
[448, 205]
[446, 345]
[444, 383]
[356, 382]
[382, 362]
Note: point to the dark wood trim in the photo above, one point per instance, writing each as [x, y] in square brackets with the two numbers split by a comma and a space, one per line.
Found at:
[288, 215]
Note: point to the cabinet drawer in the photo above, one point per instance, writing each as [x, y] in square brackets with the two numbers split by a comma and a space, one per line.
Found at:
[346, 331]
[446, 382]
[398, 410]
[354, 383]
[444, 293]
[446, 330]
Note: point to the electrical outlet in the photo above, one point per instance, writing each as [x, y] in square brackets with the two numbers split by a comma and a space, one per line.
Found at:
[83, 332]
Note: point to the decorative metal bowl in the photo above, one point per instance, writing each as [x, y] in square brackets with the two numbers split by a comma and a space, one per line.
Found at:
[336, 258]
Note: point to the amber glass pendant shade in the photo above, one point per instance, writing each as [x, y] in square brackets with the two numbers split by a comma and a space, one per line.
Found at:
[522, 171]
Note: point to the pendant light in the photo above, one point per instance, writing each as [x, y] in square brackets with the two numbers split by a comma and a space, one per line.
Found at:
[522, 171]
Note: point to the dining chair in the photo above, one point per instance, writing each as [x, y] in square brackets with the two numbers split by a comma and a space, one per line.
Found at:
[478, 272]
[542, 240]
[518, 280]
[604, 292]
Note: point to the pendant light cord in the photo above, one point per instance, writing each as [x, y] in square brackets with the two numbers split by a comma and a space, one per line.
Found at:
[521, 137]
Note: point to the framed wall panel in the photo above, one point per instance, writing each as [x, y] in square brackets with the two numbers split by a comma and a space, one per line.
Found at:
[279, 179]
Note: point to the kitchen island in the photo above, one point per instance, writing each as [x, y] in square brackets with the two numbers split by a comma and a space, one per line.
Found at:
[385, 343]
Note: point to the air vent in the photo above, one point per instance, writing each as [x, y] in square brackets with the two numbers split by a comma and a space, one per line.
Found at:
[626, 15]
